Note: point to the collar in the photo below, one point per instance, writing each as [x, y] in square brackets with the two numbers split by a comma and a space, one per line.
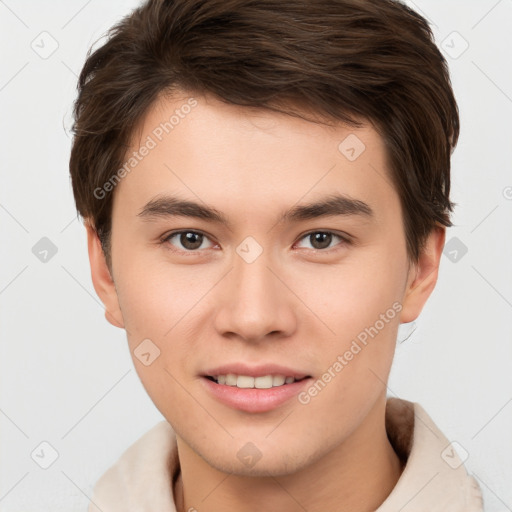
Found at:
[433, 480]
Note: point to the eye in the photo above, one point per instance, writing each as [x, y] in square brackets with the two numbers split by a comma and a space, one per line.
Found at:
[190, 240]
[320, 240]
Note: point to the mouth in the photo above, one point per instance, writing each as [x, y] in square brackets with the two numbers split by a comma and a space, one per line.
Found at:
[251, 394]
[249, 382]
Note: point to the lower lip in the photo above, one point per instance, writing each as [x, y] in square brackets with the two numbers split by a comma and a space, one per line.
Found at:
[252, 399]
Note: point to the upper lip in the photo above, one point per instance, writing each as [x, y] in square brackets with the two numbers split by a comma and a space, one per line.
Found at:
[255, 371]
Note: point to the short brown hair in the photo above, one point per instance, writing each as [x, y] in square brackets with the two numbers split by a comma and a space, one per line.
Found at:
[343, 59]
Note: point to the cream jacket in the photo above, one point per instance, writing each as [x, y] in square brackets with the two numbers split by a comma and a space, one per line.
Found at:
[433, 480]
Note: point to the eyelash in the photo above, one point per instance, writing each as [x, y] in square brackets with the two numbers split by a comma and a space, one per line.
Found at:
[345, 240]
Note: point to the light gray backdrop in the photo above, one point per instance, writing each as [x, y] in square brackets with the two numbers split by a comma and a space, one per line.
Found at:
[67, 379]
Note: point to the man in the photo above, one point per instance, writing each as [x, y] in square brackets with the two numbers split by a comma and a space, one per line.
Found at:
[265, 187]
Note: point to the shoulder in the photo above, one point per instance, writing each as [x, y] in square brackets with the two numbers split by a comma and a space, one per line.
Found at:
[143, 472]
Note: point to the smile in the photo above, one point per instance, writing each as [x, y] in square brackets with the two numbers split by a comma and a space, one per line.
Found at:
[248, 382]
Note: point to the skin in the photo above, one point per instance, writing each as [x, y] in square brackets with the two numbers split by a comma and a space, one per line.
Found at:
[294, 305]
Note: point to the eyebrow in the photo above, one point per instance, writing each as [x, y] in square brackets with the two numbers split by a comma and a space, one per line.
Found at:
[165, 206]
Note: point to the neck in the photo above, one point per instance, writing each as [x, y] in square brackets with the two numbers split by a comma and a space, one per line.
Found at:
[356, 476]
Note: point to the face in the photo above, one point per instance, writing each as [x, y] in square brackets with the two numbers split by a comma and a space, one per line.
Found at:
[248, 278]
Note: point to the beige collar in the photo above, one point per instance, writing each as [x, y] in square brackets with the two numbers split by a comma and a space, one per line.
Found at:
[433, 480]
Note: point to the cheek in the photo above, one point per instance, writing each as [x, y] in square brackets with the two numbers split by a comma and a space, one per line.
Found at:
[345, 299]
[153, 296]
[165, 304]
[156, 305]
[359, 307]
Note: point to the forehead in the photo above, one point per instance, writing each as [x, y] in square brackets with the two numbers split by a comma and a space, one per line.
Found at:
[240, 159]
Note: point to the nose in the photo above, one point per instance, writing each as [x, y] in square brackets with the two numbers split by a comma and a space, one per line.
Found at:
[255, 302]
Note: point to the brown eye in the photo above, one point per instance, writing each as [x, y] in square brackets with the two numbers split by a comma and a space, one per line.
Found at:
[321, 240]
[191, 240]
[188, 241]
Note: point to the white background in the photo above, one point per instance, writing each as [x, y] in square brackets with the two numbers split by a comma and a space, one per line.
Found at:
[66, 374]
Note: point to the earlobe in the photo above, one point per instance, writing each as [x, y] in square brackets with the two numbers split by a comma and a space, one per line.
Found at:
[423, 276]
[102, 280]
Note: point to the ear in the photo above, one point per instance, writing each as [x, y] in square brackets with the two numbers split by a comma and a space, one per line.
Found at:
[423, 275]
[102, 280]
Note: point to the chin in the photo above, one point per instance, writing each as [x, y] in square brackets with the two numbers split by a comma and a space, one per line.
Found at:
[256, 460]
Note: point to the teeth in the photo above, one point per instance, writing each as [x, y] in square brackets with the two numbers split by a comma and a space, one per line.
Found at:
[247, 382]
[279, 380]
[230, 379]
